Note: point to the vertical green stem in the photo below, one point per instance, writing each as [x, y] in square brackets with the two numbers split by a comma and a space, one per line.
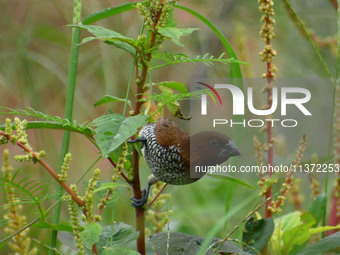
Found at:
[333, 218]
[338, 58]
[72, 75]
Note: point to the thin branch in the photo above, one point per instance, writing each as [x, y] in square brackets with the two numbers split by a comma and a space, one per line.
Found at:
[50, 170]
[159, 193]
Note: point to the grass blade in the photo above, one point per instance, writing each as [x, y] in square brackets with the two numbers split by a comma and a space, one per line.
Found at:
[71, 84]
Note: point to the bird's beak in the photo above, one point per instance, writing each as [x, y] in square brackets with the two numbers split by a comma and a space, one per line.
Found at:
[229, 150]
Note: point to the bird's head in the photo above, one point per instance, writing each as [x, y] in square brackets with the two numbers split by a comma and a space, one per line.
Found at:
[211, 148]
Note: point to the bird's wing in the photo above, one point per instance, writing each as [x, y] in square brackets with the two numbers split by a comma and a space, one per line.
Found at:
[168, 133]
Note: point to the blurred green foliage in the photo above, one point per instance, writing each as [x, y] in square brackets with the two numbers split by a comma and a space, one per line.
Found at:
[34, 57]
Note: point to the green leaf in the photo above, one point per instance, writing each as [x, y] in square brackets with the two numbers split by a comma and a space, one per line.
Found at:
[282, 224]
[172, 105]
[114, 155]
[235, 68]
[114, 129]
[27, 190]
[288, 221]
[108, 99]
[170, 21]
[178, 86]
[318, 208]
[185, 244]
[179, 58]
[313, 231]
[119, 234]
[64, 226]
[103, 14]
[295, 239]
[257, 233]
[112, 200]
[118, 251]
[110, 37]
[91, 234]
[108, 185]
[175, 33]
[87, 131]
[51, 122]
[325, 244]
[232, 179]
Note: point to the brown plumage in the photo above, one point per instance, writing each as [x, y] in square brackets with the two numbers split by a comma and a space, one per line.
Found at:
[169, 151]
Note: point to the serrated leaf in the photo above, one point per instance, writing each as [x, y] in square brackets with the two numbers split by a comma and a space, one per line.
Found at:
[185, 244]
[172, 105]
[175, 33]
[114, 129]
[257, 233]
[108, 36]
[178, 86]
[108, 99]
[91, 234]
[178, 58]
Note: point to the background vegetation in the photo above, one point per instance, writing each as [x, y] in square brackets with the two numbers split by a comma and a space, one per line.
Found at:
[34, 59]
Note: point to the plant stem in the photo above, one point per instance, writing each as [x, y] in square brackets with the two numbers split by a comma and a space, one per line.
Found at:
[140, 216]
[267, 32]
[140, 220]
[71, 83]
[140, 211]
[268, 213]
[334, 218]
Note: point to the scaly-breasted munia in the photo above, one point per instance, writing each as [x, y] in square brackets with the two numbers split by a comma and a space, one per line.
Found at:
[169, 152]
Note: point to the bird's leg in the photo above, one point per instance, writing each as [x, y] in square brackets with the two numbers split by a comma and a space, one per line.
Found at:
[140, 139]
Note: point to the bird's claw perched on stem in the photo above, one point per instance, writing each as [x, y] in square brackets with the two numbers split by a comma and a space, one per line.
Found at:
[139, 202]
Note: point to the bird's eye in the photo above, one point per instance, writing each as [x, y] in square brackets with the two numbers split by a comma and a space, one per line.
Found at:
[214, 142]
